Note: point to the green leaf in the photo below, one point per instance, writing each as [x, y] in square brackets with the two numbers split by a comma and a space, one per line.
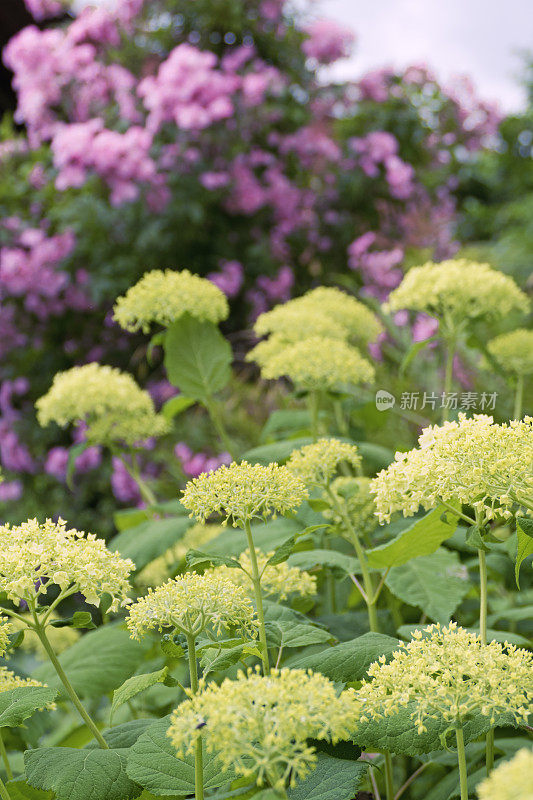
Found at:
[195, 558]
[437, 584]
[349, 661]
[128, 517]
[375, 455]
[176, 405]
[80, 774]
[332, 779]
[142, 543]
[152, 762]
[413, 351]
[285, 421]
[277, 451]
[80, 619]
[308, 559]
[135, 685]
[98, 662]
[420, 539]
[317, 504]
[197, 358]
[18, 704]
[524, 546]
[285, 549]
[20, 790]
[216, 659]
[123, 735]
[295, 634]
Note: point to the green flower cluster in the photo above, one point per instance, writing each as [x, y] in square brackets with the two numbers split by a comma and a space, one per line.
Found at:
[316, 464]
[109, 401]
[511, 780]
[163, 297]
[276, 579]
[513, 351]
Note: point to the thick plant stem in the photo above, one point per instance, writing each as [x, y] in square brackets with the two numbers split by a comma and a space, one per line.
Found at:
[461, 758]
[312, 405]
[5, 759]
[518, 397]
[256, 580]
[76, 702]
[482, 596]
[212, 408]
[389, 783]
[198, 748]
[489, 751]
[448, 375]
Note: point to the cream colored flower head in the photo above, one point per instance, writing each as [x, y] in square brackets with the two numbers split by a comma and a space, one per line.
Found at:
[314, 363]
[447, 673]
[35, 556]
[244, 492]
[511, 780]
[9, 680]
[260, 725]
[163, 567]
[457, 291]
[190, 604]
[163, 297]
[360, 505]
[316, 464]
[325, 311]
[109, 401]
[60, 638]
[513, 351]
[6, 628]
[276, 579]
[474, 461]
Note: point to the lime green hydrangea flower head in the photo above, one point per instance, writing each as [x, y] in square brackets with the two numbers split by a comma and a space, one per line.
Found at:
[6, 628]
[315, 363]
[60, 638]
[360, 505]
[34, 556]
[513, 351]
[325, 311]
[109, 401]
[473, 460]
[458, 290]
[162, 567]
[511, 780]
[243, 492]
[260, 725]
[276, 579]
[190, 604]
[163, 297]
[448, 673]
[316, 464]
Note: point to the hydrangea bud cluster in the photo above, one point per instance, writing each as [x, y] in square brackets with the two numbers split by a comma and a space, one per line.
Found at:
[34, 556]
[5, 629]
[316, 362]
[474, 460]
[513, 351]
[109, 401]
[448, 673]
[511, 780]
[260, 725]
[458, 290]
[316, 464]
[163, 297]
[161, 567]
[244, 492]
[276, 579]
[360, 506]
[190, 604]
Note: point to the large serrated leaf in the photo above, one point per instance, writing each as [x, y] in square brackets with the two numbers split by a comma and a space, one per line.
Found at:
[197, 358]
[295, 634]
[332, 779]
[80, 774]
[134, 685]
[152, 763]
[420, 539]
[436, 584]
[18, 704]
[349, 661]
[307, 559]
[98, 662]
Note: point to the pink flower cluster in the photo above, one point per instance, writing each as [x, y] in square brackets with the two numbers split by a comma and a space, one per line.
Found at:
[380, 149]
[122, 160]
[379, 268]
[41, 9]
[327, 41]
[229, 278]
[193, 464]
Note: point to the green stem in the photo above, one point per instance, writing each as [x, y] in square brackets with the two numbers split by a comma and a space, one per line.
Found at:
[489, 751]
[368, 583]
[518, 398]
[5, 759]
[482, 596]
[461, 758]
[135, 472]
[3, 791]
[76, 702]
[448, 375]
[312, 405]
[340, 419]
[198, 748]
[389, 783]
[213, 410]
[256, 580]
